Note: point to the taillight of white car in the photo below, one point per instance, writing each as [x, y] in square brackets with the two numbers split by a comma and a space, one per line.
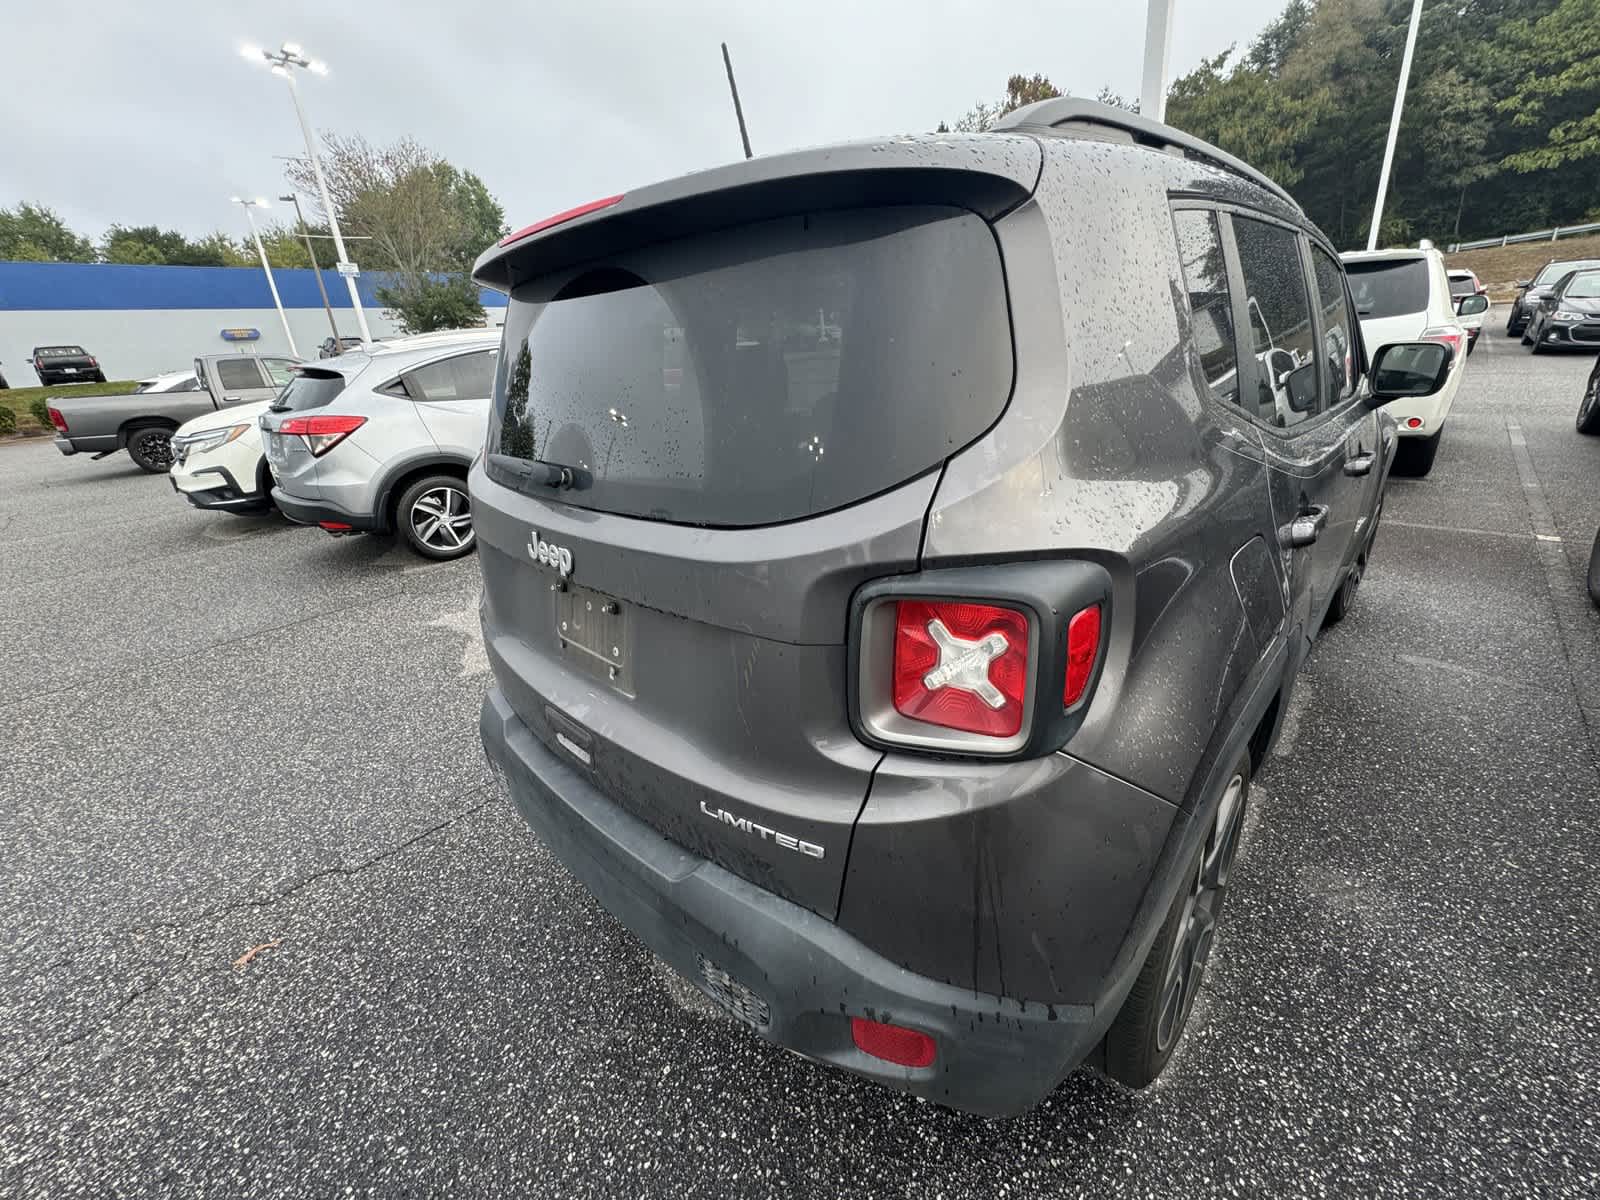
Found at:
[321, 434]
[1449, 335]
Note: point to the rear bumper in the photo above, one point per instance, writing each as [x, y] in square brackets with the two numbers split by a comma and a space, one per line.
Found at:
[321, 513]
[87, 445]
[996, 1056]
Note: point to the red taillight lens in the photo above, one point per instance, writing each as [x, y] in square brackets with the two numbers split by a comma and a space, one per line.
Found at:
[893, 1043]
[57, 419]
[1445, 334]
[322, 434]
[961, 665]
[572, 214]
[92, 362]
[1083, 646]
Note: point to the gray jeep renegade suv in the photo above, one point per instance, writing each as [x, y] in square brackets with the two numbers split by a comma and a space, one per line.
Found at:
[898, 556]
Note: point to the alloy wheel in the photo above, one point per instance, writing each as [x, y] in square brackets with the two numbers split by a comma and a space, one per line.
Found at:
[155, 447]
[1198, 926]
[442, 518]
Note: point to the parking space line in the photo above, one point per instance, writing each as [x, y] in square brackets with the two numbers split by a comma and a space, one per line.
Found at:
[1390, 522]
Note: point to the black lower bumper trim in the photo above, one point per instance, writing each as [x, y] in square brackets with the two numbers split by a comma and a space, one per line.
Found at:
[802, 973]
[308, 512]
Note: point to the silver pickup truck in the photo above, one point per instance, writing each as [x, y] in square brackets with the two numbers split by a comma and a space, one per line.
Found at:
[142, 423]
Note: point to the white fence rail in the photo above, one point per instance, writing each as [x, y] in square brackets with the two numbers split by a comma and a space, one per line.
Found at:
[1539, 235]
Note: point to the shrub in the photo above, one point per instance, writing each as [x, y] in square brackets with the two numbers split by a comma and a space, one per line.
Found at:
[8, 421]
[40, 408]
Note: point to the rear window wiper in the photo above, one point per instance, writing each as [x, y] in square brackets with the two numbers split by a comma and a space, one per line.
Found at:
[525, 473]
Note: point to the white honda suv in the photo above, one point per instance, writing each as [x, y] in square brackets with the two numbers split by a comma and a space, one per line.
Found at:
[380, 441]
[1404, 296]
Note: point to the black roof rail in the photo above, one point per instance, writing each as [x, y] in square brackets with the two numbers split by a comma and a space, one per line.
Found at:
[1071, 110]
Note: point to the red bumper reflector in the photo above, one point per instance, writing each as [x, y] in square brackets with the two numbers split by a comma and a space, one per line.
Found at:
[334, 526]
[1083, 644]
[1413, 422]
[572, 214]
[892, 1043]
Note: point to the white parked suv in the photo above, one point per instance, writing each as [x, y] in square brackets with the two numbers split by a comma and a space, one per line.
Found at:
[1404, 296]
[380, 441]
[217, 461]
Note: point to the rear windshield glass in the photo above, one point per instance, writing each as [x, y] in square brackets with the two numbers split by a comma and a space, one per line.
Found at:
[1389, 288]
[308, 389]
[1462, 287]
[760, 374]
[1584, 287]
[1556, 270]
[60, 352]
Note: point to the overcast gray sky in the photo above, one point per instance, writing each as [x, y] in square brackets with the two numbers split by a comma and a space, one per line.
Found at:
[144, 113]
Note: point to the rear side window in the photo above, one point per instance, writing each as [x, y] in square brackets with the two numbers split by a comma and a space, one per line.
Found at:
[236, 374]
[309, 388]
[1392, 288]
[1338, 325]
[1281, 335]
[1210, 304]
[764, 373]
[465, 377]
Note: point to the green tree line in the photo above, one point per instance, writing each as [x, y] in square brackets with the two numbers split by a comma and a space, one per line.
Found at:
[35, 233]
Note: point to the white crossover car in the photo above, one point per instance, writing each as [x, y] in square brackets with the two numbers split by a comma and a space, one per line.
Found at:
[217, 461]
[1404, 296]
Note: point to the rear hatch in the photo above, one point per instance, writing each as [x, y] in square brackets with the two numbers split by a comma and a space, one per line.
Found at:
[312, 387]
[752, 413]
[1391, 296]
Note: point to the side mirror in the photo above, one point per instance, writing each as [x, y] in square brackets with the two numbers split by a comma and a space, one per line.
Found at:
[1405, 370]
[1524, 283]
[1472, 305]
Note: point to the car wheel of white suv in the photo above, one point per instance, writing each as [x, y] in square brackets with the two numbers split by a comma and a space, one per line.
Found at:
[435, 517]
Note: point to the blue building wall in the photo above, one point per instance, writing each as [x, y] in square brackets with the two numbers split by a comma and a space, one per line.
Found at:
[58, 287]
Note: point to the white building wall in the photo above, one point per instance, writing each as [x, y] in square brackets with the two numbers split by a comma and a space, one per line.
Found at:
[131, 344]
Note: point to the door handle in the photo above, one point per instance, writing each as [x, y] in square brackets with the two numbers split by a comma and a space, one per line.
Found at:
[232, 399]
[1360, 465]
[1303, 530]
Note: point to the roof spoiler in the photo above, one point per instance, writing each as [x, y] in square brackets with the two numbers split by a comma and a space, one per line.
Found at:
[988, 174]
[1065, 114]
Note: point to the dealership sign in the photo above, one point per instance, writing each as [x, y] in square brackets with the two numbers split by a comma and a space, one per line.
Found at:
[240, 335]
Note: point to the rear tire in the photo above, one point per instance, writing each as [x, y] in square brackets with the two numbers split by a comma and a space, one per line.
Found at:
[1414, 456]
[99, 376]
[1589, 406]
[434, 516]
[1594, 571]
[1345, 598]
[150, 447]
[1150, 1025]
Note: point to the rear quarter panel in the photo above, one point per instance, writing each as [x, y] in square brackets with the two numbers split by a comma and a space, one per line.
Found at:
[98, 416]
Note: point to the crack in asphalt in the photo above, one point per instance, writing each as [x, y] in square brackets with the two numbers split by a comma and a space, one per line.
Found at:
[105, 1019]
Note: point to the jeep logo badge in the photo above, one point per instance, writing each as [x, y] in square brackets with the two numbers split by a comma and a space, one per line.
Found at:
[548, 554]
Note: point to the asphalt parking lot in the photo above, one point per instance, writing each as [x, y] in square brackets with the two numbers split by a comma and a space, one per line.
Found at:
[224, 734]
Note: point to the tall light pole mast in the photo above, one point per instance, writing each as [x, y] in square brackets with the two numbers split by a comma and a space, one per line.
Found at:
[272, 284]
[316, 268]
[1394, 124]
[1157, 56]
[283, 62]
[738, 109]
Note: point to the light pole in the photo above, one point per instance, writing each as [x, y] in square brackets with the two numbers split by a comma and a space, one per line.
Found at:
[272, 284]
[1394, 123]
[283, 62]
[1157, 55]
[305, 235]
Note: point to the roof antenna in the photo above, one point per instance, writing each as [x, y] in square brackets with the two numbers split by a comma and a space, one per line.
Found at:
[738, 110]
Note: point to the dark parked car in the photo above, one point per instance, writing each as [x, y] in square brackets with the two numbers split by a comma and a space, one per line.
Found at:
[1568, 315]
[3, 384]
[1530, 290]
[332, 349]
[885, 624]
[66, 364]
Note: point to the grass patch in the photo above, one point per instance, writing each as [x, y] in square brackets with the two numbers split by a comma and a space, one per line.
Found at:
[20, 400]
[1501, 266]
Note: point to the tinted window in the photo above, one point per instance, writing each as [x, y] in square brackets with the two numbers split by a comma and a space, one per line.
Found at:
[280, 369]
[1556, 270]
[237, 374]
[1281, 335]
[465, 377]
[1389, 287]
[59, 352]
[1584, 287]
[1206, 276]
[762, 373]
[309, 388]
[1338, 340]
[1462, 287]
